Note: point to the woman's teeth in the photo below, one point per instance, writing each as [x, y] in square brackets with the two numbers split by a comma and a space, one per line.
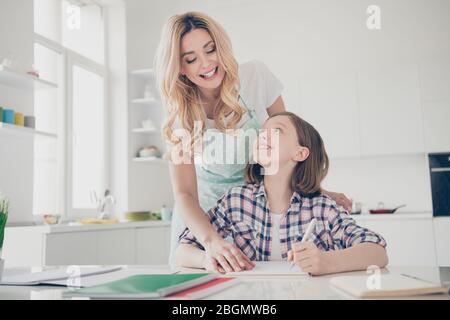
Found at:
[209, 74]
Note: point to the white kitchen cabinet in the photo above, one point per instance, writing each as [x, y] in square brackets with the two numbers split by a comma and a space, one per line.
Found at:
[329, 103]
[442, 237]
[436, 116]
[390, 111]
[410, 241]
[435, 79]
[92, 247]
[144, 242]
[70, 248]
[435, 92]
[115, 247]
[152, 245]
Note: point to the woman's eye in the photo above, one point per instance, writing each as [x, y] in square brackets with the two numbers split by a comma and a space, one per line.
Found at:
[211, 50]
[190, 61]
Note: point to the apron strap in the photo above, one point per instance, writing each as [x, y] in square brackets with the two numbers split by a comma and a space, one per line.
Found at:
[251, 112]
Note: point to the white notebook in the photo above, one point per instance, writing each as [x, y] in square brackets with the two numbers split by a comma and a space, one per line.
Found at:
[270, 268]
[389, 285]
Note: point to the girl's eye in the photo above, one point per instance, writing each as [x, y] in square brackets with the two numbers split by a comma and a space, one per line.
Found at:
[190, 61]
[211, 50]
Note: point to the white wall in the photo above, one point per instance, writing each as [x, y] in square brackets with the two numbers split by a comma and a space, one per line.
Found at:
[16, 153]
[117, 101]
[336, 73]
[148, 184]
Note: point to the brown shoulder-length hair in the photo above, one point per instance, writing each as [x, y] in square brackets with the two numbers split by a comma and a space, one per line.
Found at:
[308, 174]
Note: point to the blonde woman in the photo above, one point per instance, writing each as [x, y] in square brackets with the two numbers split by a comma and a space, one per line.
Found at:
[203, 89]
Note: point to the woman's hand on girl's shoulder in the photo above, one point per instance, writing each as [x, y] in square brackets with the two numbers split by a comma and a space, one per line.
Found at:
[341, 199]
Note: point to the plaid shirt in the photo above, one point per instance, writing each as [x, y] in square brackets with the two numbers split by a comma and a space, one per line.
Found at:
[243, 215]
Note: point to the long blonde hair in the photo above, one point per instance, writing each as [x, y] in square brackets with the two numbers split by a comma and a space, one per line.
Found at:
[179, 94]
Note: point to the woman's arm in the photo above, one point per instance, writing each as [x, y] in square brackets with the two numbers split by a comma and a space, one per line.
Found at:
[189, 256]
[277, 106]
[184, 184]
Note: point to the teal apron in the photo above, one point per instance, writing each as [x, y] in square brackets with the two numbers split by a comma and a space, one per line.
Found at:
[215, 179]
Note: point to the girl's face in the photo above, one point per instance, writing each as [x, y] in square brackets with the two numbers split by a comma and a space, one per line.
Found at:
[277, 145]
[199, 61]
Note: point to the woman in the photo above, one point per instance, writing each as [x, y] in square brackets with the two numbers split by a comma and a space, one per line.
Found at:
[201, 83]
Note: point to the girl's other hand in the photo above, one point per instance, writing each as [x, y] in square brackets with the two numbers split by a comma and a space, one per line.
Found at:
[309, 258]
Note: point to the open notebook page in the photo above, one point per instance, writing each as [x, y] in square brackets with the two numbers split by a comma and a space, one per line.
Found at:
[274, 268]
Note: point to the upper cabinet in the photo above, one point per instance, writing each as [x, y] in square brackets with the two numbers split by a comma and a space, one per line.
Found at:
[398, 109]
[329, 103]
[435, 91]
[390, 111]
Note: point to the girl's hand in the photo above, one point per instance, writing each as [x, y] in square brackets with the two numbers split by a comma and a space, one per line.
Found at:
[309, 258]
[223, 256]
[341, 199]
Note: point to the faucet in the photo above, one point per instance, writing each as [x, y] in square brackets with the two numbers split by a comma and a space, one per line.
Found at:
[101, 203]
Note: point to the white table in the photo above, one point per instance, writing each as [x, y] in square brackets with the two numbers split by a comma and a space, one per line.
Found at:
[250, 288]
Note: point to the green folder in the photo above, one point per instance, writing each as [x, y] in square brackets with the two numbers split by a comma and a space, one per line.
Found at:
[145, 286]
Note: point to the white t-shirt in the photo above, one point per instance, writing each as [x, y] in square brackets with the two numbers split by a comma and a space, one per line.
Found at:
[259, 90]
[275, 253]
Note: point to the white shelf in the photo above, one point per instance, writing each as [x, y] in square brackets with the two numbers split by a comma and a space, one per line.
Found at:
[144, 100]
[150, 159]
[10, 128]
[144, 130]
[12, 78]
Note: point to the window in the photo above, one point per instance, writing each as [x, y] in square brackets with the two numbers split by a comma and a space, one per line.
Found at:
[69, 50]
[88, 128]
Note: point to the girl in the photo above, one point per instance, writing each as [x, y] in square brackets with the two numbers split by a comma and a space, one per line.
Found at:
[200, 81]
[267, 217]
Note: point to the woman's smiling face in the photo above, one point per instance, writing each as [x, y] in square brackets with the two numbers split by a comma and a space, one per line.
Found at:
[199, 61]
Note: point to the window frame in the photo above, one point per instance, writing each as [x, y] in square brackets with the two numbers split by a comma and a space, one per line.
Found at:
[71, 58]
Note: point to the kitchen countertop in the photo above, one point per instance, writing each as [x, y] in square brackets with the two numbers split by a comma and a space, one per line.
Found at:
[74, 227]
[394, 216]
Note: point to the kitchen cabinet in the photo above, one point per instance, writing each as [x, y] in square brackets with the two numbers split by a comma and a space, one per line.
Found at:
[70, 248]
[117, 246]
[435, 92]
[442, 238]
[329, 103]
[374, 112]
[125, 243]
[410, 239]
[152, 247]
[390, 111]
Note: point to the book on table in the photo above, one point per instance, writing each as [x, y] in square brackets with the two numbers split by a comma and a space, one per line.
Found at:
[144, 286]
[387, 285]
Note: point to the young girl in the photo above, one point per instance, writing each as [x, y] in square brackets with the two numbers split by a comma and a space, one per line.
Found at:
[267, 218]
